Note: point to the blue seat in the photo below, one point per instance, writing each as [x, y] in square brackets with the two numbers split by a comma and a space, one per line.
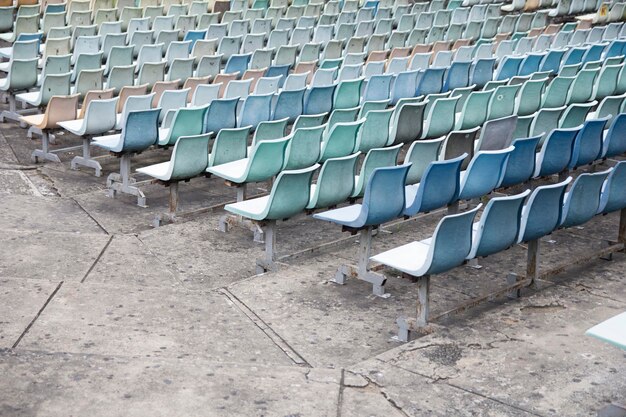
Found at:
[289, 104]
[582, 201]
[542, 212]
[509, 67]
[319, 100]
[615, 140]
[430, 81]
[484, 173]
[556, 152]
[404, 86]
[377, 88]
[615, 48]
[594, 53]
[521, 164]
[552, 61]
[256, 108]
[482, 71]
[499, 225]
[222, 114]
[193, 36]
[276, 70]
[574, 56]
[531, 64]
[439, 187]
[448, 248]
[383, 201]
[613, 197]
[588, 144]
[237, 63]
[457, 76]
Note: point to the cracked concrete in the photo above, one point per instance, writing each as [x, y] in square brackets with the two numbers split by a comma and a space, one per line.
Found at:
[101, 315]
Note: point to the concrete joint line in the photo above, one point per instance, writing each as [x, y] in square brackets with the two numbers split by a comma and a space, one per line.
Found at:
[90, 216]
[93, 265]
[19, 339]
[265, 328]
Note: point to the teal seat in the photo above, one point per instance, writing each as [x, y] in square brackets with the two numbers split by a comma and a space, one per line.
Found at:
[265, 161]
[613, 197]
[304, 148]
[230, 145]
[221, 114]
[576, 114]
[375, 130]
[610, 106]
[186, 122]
[582, 201]
[611, 330]
[529, 98]
[420, 154]
[289, 104]
[372, 105]
[556, 152]
[375, 158]
[582, 86]
[320, 100]
[502, 102]
[606, 84]
[438, 187]
[557, 92]
[614, 143]
[440, 119]
[335, 182]
[340, 140]
[545, 121]
[341, 116]
[542, 212]
[499, 225]
[311, 120]
[484, 173]
[474, 112]
[521, 164]
[347, 95]
[274, 129]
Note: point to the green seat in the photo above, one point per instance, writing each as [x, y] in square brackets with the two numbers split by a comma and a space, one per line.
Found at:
[575, 114]
[522, 128]
[502, 102]
[268, 130]
[6, 18]
[463, 93]
[557, 92]
[545, 121]
[265, 161]
[347, 94]
[230, 145]
[335, 182]
[375, 158]
[186, 122]
[304, 147]
[529, 97]
[474, 112]
[432, 99]
[420, 154]
[607, 81]
[610, 106]
[492, 85]
[341, 116]
[340, 140]
[309, 120]
[375, 130]
[372, 105]
[441, 118]
[582, 86]
[288, 197]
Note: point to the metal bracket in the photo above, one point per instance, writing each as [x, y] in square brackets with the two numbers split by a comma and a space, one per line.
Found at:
[123, 183]
[86, 159]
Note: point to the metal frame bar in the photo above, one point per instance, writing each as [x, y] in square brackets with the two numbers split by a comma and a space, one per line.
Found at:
[229, 220]
[86, 160]
[45, 153]
[268, 263]
[13, 113]
[123, 182]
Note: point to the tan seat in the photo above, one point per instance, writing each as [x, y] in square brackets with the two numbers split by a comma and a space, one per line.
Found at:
[224, 79]
[253, 75]
[303, 67]
[125, 92]
[161, 86]
[59, 109]
[376, 56]
[192, 83]
[400, 52]
[94, 95]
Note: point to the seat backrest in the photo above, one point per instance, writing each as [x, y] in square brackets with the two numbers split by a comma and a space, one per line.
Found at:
[141, 130]
[221, 114]
[319, 99]
[187, 122]
[497, 134]
[542, 212]
[375, 158]
[556, 152]
[582, 201]
[439, 186]
[407, 122]
[521, 164]
[229, 145]
[274, 129]
[588, 143]
[100, 116]
[22, 74]
[289, 104]
[460, 142]
[375, 130]
[303, 149]
[420, 154]
[613, 196]
[60, 109]
[190, 156]
[384, 198]
[615, 140]
[290, 193]
[54, 85]
[335, 182]
[341, 139]
[484, 173]
[256, 109]
[266, 159]
[451, 242]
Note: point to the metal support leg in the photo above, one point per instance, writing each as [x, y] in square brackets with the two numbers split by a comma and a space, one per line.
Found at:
[267, 263]
[13, 113]
[173, 206]
[241, 193]
[563, 175]
[228, 220]
[361, 271]
[453, 208]
[86, 159]
[532, 264]
[473, 263]
[512, 279]
[621, 235]
[422, 310]
[44, 153]
[123, 183]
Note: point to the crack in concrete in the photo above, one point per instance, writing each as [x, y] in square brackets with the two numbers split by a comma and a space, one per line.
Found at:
[342, 387]
[90, 216]
[381, 390]
[93, 265]
[19, 339]
[589, 290]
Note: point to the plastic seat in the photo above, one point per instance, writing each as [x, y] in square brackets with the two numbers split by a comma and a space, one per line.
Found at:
[404, 86]
[441, 118]
[528, 100]
[304, 148]
[375, 130]
[375, 158]
[319, 99]
[582, 87]
[484, 173]
[496, 134]
[340, 140]
[521, 163]
[186, 122]
[255, 109]
[407, 122]
[335, 182]
[588, 143]
[613, 196]
[545, 121]
[542, 212]
[576, 114]
[289, 104]
[150, 73]
[556, 152]
[430, 82]
[229, 145]
[614, 143]
[221, 114]
[347, 95]
[377, 88]
[499, 225]
[52, 85]
[582, 201]
[474, 112]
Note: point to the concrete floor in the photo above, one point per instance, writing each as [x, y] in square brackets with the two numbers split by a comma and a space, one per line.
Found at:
[102, 315]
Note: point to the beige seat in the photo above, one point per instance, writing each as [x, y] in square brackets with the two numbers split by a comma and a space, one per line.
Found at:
[192, 83]
[253, 75]
[303, 67]
[94, 95]
[125, 92]
[59, 109]
[161, 86]
[224, 79]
